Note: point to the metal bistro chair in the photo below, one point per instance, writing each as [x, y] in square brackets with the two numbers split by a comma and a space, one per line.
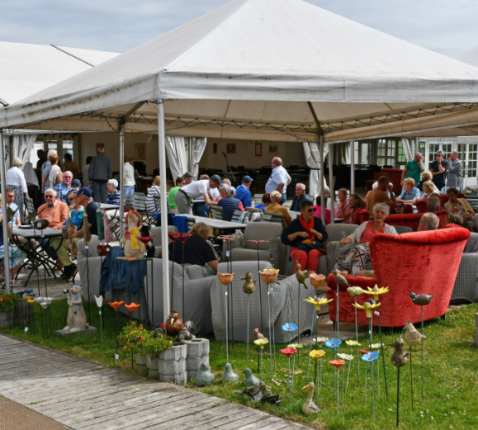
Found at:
[30, 207]
[157, 202]
[140, 206]
[257, 198]
[272, 217]
[240, 216]
[217, 212]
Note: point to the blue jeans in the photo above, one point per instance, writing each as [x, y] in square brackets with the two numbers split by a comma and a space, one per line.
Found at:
[283, 199]
[129, 190]
[99, 191]
[201, 209]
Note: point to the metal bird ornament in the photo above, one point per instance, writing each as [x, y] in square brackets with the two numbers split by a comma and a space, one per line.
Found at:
[399, 356]
[302, 275]
[421, 299]
[340, 277]
[412, 335]
[250, 285]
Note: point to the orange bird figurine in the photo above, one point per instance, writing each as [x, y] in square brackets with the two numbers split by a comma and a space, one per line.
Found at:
[257, 334]
[174, 324]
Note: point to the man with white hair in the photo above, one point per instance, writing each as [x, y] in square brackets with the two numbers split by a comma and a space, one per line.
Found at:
[275, 207]
[413, 169]
[279, 179]
[64, 187]
[455, 171]
[299, 197]
[54, 210]
[428, 221]
[228, 202]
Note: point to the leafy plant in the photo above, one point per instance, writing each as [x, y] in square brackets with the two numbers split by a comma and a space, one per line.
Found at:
[7, 302]
[157, 342]
[133, 337]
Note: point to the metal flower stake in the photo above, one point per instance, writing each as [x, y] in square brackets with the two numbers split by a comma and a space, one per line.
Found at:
[249, 287]
[368, 308]
[376, 292]
[289, 328]
[412, 338]
[349, 358]
[378, 346]
[269, 276]
[301, 276]
[258, 242]
[353, 343]
[260, 343]
[334, 344]
[99, 303]
[371, 357]
[422, 300]
[116, 306]
[337, 364]
[226, 279]
[288, 352]
[297, 346]
[340, 279]
[365, 352]
[355, 292]
[317, 355]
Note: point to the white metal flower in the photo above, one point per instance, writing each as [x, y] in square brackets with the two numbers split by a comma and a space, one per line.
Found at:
[376, 345]
[346, 357]
[99, 301]
[321, 339]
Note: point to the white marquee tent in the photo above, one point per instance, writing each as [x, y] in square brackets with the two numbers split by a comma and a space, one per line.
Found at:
[262, 69]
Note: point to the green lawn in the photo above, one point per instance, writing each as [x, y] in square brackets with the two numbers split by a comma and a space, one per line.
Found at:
[451, 374]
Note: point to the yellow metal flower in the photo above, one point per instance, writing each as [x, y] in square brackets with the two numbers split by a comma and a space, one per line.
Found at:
[261, 342]
[318, 302]
[375, 291]
[352, 343]
[317, 354]
[367, 307]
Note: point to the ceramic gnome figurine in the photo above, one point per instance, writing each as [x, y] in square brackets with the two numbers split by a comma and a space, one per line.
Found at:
[76, 319]
[133, 248]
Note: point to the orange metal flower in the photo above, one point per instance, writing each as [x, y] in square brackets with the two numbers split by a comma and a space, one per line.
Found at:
[225, 278]
[116, 305]
[132, 307]
[318, 281]
[269, 275]
[337, 363]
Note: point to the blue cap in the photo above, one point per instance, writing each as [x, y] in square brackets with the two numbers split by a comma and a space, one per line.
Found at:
[76, 183]
[247, 179]
[84, 191]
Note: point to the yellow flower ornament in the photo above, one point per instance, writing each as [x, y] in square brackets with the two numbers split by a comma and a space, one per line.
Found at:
[261, 342]
[367, 307]
[317, 354]
[318, 302]
[375, 291]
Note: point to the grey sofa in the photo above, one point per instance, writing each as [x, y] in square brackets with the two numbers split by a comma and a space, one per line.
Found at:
[284, 309]
[466, 284]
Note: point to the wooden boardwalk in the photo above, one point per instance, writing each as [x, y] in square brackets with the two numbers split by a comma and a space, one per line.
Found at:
[80, 394]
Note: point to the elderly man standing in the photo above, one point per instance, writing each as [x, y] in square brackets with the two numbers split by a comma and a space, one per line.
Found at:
[228, 202]
[275, 207]
[413, 169]
[99, 172]
[128, 175]
[279, 179]
[300, 196]
[194, 190]
[64, 187]
[243, 193]
[455, 171]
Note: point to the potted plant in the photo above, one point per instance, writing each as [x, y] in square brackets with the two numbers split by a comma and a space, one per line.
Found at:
[153, 345]
[7, 307]
[133, 337]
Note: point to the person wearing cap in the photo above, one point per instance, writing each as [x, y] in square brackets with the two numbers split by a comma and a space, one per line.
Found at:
[279, 179]
[113, 197]
[201, 208]
[275, 207]
[84, 198]
[188, 178]
[98, 173]
[128, 175]
[438, 169]
[243, 193]
[299, 197]
[229, 203]
[64, 187]
[194, 190]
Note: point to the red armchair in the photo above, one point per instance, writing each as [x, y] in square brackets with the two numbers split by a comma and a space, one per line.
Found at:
[412, 220]
[421, 205]
[424, 263]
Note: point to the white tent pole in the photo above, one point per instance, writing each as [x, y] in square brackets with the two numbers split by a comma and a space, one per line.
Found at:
[331, 182]
[121, 179]
[164, 208]
[352, 167]
[6, 260]
[322, 197]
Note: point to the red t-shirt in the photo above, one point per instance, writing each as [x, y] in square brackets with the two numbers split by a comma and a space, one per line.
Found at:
[369, 233]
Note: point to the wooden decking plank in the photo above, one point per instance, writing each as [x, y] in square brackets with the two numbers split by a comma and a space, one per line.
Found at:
[267, 423]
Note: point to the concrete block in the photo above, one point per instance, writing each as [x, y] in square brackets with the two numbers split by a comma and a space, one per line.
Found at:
[180, 379]
[141, 368]
[153, 373]
[171, 367]
[193, 363]
[197, 347]
[175, 353]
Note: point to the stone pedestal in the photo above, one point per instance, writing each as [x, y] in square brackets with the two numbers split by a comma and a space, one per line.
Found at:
[197, 353]
[152, 365]
[172, 365]
[141, 363]
[6, 319]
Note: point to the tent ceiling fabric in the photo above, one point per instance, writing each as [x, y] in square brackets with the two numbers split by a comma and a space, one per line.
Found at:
[247, 70]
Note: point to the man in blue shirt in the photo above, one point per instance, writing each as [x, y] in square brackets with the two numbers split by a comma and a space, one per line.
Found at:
[299, 196]
[279, 179]
[64, 188]
[243, 194]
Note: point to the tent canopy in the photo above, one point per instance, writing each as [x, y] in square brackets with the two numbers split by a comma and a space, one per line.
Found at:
[264, 69]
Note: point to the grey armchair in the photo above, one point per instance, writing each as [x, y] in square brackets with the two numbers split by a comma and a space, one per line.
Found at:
[466, 285]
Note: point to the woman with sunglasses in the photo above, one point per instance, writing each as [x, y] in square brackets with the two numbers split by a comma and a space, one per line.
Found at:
[400, 208]
[305, 235]
[355, 259]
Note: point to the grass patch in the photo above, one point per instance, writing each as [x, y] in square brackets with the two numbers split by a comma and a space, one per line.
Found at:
[451, 374]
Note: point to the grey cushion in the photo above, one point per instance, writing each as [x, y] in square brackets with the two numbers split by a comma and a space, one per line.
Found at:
[335, 231]
[466, 285]
[402, 229]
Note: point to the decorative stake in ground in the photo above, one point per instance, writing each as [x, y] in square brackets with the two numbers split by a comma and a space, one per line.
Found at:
[288, 352]
[132, 307]
[368, 308]
[349, 358]
[309, 407]
[337, 364]
[289, 328]
[226, 279]
[248, 287]
[334, 344]
[297, 346]
[378, 346]
[99, 303]
[116, 306]
[371, 357]
[340, 279]
[355, 292]
[422, 300]
[301, 276]
[317, 355]
[365, 352]
[269, 276]
[228, 240]
[352, 343]
[399, 359]
[412, 338]
[258, 242]
[261, 343]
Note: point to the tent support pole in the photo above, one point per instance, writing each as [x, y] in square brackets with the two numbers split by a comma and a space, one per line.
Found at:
[352, 167]
[6, 261]
[322, 188]
[331, 182]
[121, 179]
[164, 208]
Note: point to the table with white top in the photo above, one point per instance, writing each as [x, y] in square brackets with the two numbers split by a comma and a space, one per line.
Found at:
[106, 206]
[218, 224]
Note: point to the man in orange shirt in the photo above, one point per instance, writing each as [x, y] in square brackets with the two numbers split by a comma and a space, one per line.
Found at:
[380, 195]
[54, 210]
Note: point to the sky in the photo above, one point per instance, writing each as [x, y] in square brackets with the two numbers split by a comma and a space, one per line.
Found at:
[446, 27]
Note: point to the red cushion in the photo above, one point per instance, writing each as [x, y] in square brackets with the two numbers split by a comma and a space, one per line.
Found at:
[421, 205]
[424, 263]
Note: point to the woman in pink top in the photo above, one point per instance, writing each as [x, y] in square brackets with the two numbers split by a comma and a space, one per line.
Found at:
[318, 211]
[358, 256]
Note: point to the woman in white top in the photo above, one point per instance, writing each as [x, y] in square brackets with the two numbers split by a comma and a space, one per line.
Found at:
[155, 190]
[52, 176]
[15, 180]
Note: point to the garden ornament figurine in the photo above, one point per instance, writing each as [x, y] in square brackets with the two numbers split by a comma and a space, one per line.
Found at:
[302, 275]
[250, 379]
[309, 407]
[174, 324]
[340, 278]
[257, 334]
[133, 248]
[76, 320]
[204, 377]
[229, 375]
[250, 285]
[185, 333]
